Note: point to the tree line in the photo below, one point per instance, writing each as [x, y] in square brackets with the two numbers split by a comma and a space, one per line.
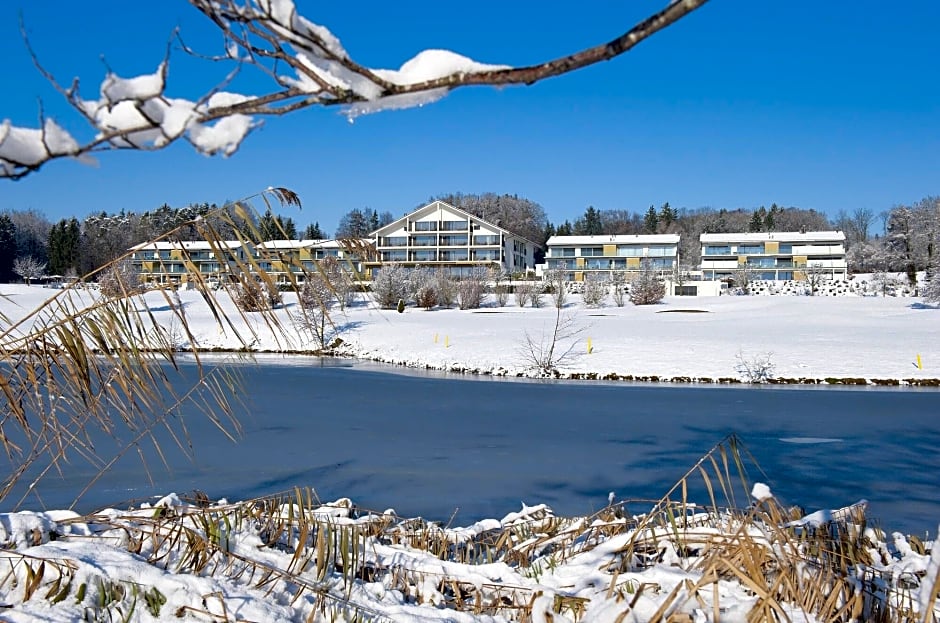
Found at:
[906, 241]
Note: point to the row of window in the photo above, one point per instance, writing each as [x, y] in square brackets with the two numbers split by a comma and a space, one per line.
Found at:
[440, 226]
[759, 249]
[622, 251]
[442, 255]
[658, 263]
[434, 240]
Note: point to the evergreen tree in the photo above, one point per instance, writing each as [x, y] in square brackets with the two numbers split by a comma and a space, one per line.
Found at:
[769, 220]
[651, 221]
[374, 221]
[7, 247]
[275, 227]
[564, 229]
[354, 224]
[590, 224]
[313, 232]
[667, 215]
[757, 220]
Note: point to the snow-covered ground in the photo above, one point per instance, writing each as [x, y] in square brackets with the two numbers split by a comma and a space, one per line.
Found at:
[225, 563]
[850, 337]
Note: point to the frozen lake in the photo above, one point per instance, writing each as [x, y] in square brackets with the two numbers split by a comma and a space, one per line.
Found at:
[430, 445]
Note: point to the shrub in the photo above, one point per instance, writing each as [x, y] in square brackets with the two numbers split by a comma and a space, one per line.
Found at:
[426, 296]
[252, 295]
[446, 289]
[595, 291]
[521, 292]
[121, 279]
[646, 288]
[470, 290]
[390, 285]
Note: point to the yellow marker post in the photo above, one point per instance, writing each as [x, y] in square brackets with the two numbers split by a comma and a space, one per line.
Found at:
[446, 341]
[435, 338]
[920, 365]
[590, 347]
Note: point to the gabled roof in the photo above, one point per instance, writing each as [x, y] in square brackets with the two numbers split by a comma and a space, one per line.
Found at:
[614, 239]
[437, 205]
[780, 236]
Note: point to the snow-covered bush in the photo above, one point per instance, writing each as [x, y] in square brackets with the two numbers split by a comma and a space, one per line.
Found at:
[500, 288]
[252, 295]
[646, 288]
[931, 290]
[521, 292]
[756, 369]
[470, 290]
[121, 279]
[594, 292]
[620, 289]
[426, 296]
[390, 285]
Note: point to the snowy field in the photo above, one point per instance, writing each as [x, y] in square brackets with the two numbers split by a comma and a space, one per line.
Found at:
[811, 338]
[301, 559]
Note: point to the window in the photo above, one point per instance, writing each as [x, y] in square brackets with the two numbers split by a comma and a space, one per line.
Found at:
[454, 225]
[485, 240]
[786, 248]
[661, 250]
[750, 249]
[454, 255]
[424, 255]
[597, 264]
[592, 251]
[394, 256]
[454, 240]
[485, 255]
[425, 226]
[554, 264]
[563, 252]
[761, 262]
[632, 251]
[659, 263]
[424, 240]
[394, 241]
[713, 250]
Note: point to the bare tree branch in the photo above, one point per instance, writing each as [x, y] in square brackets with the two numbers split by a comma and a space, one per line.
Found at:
[136, 113]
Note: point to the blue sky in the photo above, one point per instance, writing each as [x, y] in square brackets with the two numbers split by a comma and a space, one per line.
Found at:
[831, 106]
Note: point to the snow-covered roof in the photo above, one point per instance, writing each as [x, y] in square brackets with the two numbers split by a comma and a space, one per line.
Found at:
[614, 239]
[780, 236]
[443, 205]
[188, 245]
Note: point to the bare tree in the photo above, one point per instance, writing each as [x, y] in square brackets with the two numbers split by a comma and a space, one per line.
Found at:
[500, 288]
[620, 289]
[815, 274]
[471, 289]
[595, 291]
[522, 291]
[28, 268]
[273, 39]
[556, 279]
[548, 350]
[742, 280]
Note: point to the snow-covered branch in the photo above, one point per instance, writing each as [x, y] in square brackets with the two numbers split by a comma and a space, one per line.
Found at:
[269, 35]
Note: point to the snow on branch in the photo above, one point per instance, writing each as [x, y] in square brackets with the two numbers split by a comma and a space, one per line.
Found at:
[308, 67]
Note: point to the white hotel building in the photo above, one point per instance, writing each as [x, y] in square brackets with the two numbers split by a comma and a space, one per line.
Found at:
[774, 256]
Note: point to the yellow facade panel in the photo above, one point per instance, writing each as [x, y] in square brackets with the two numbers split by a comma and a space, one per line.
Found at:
[579, 276]
[610, 250]
[579, 262]
[633, 262]
[771, 247]
[742, 260]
